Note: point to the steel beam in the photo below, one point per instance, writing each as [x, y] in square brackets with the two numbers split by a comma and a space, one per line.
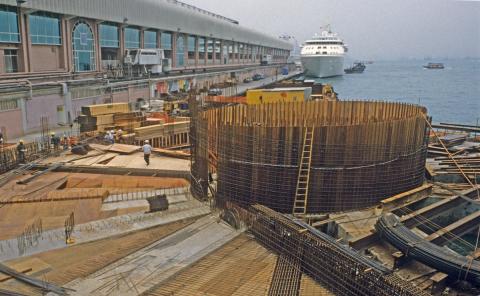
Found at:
[418, 217]
[457, 228]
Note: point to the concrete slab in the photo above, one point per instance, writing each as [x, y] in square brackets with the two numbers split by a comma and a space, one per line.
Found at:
[55, 239]
[156, 162]
[147, 268]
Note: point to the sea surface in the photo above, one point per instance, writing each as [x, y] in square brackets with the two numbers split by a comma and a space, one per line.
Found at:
[451, 95]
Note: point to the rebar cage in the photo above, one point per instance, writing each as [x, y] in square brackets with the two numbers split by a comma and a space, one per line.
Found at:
[363, 152]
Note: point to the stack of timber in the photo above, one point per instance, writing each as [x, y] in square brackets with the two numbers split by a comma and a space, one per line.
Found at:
[100, 117]
[116, 148]
[468, 164]
[168, 135]
[453, 139]
[129, 121]
[455, 143]
[103, 109]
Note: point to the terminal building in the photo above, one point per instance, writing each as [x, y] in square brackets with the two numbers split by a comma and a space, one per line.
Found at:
[55, 55]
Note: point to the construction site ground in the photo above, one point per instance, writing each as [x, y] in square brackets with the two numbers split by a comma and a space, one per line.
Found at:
[64, 265]
[120, 248]
[54, 196]
[102, 157]
[240, 267]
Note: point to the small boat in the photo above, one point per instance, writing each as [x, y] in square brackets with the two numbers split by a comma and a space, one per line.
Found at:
[356, 68]
[434, 66]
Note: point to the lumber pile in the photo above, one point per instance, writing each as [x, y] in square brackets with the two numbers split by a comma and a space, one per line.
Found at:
[172, 153]
[128, 121]
[104, 109]
[116, 148]
[467, 164]
[154, 121]
[160, 130]
[452, 139]
[455, 144]
[106, 117]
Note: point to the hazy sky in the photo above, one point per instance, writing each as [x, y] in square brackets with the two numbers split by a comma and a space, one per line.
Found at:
[376, 29]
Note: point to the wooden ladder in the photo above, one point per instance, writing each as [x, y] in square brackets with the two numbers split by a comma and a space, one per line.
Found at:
[301, 194]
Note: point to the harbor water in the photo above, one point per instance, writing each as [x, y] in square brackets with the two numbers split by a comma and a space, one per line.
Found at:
[451, 94]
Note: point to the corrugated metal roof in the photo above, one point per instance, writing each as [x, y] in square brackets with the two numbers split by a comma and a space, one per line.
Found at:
[167, 15]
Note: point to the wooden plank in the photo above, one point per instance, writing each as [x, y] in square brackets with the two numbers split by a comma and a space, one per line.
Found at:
[103, 109]
[29, 266]
[123, 148]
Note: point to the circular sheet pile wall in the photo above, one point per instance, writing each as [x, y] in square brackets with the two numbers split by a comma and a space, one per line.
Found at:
[362, 152]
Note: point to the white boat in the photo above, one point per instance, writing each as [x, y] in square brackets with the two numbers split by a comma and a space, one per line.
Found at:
[323, 55]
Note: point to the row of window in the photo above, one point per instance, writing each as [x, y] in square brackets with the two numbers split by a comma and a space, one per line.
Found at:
[45, 29]
[6, 105]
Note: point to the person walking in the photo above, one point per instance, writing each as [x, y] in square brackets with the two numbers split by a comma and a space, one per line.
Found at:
[21, 151]
[147, 151]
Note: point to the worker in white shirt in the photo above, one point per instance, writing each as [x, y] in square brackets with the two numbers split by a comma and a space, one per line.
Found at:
[147, 151]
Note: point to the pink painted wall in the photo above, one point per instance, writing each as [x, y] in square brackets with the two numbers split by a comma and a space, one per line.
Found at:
[47, 58]
[12, 122]
[42, 106]
[120, 97]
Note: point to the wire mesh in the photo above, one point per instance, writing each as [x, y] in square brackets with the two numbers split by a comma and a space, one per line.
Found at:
[362, 153]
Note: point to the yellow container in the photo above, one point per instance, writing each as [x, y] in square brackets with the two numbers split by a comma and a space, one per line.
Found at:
[267, 96]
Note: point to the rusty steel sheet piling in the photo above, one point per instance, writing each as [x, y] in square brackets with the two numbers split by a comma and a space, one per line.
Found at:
[363, 152]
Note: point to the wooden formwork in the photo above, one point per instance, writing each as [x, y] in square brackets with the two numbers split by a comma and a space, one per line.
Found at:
[362, 153]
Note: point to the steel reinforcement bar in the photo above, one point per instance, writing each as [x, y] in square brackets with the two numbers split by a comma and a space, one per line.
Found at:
[457, 266]
[339, 268]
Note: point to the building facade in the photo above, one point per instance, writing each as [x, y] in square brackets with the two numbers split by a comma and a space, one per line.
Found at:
[89, 36]
[57, 55]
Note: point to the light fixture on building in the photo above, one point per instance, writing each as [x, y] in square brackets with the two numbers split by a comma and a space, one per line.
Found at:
[20, 2]
[125, 20]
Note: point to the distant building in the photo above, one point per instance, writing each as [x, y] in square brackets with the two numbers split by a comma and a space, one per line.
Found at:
[53, 40]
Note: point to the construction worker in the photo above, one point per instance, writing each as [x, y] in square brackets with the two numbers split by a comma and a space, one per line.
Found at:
[55, 140]
[21, 151]
[112, 136]
[65, 140]
[147, 151]
[118, 136]
[109, 137]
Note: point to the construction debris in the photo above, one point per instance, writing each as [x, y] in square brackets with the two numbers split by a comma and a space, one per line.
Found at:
[158, 203]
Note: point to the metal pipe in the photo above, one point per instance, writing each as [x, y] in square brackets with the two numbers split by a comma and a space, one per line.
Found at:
[457, 266]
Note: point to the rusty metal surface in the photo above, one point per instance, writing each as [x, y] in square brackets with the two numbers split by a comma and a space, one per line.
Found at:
[340, 269]
[363, 152]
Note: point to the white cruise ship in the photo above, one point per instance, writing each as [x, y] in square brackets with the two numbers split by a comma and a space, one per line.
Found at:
[323, 55]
